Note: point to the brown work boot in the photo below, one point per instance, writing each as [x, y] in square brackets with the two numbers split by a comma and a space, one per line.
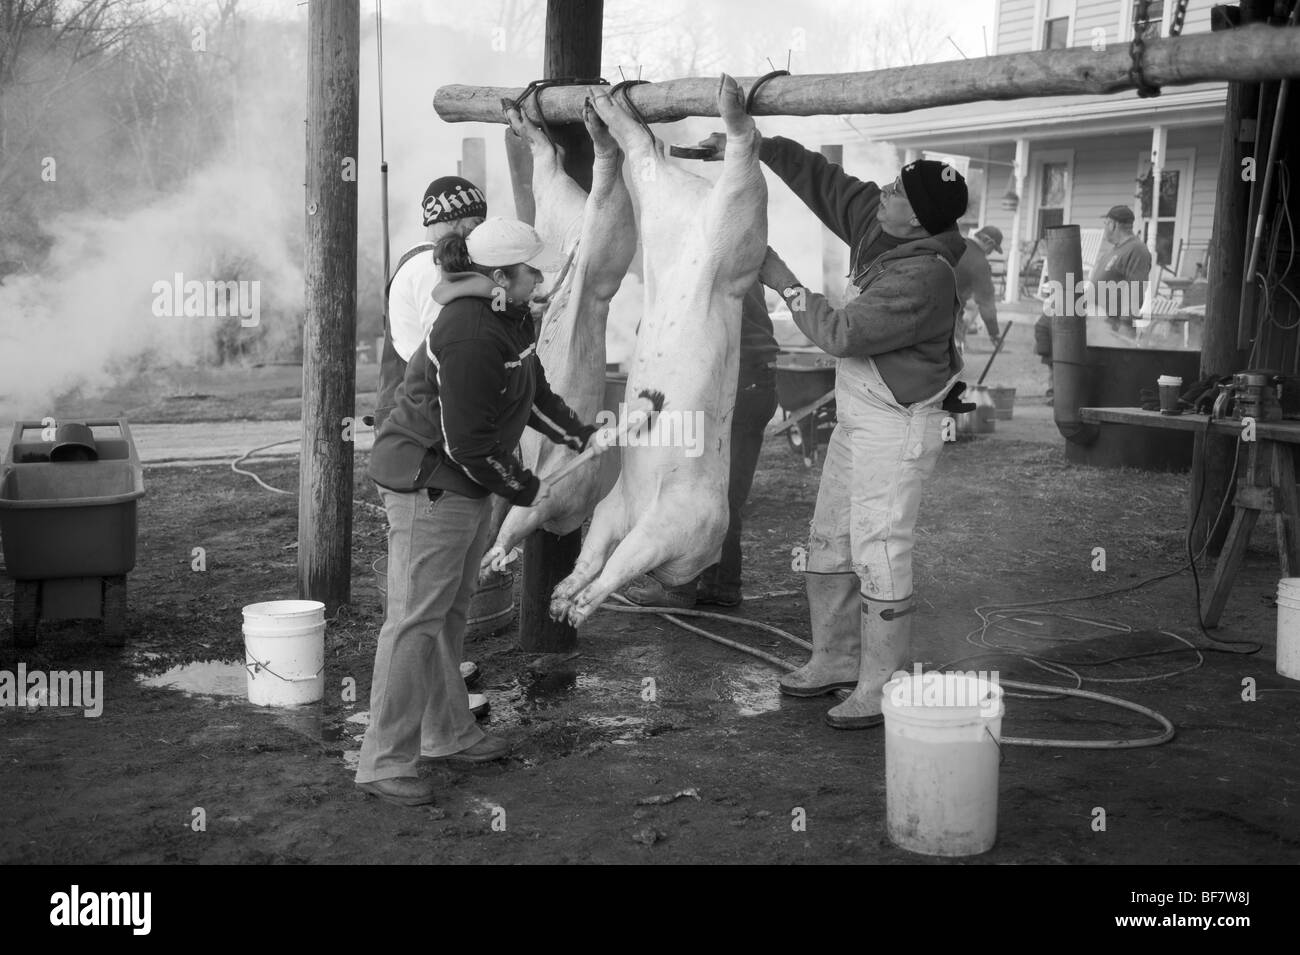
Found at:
[714, 597]
[834, 609]
[401, 790]
[486, 750]
[886, 643]
[646, 591]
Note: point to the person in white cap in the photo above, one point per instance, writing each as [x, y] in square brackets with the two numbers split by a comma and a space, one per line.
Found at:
[449, 204]
[446, 448]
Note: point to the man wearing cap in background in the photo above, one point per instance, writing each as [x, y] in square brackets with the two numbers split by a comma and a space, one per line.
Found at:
[975, 283]
[898, 364]
[1124, 259]
[450, 204]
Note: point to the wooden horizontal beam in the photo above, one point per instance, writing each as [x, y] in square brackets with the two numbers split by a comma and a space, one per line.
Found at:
[1247, 54]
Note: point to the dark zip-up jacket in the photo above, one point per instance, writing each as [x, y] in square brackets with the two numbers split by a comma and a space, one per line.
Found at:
[466, 398]
[905, 315]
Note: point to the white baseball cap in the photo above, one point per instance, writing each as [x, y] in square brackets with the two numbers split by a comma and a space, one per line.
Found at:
[499, 242]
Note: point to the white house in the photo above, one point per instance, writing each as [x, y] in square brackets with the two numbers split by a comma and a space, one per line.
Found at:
[1055, 160]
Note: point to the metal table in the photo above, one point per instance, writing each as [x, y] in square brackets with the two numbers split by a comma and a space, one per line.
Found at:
[1265, 485]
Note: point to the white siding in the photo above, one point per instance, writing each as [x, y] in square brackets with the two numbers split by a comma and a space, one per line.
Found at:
[1096, 14]
[1197, 19]
[1205, 179]
[1105, 172]
[1016, 26]
[1018, 30]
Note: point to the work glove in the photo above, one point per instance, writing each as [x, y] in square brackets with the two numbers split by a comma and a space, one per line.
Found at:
[1200, 397]
[582, 438]
[952, 402]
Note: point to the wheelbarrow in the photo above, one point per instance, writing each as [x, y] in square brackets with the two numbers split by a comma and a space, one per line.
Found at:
[68, 523]
[805, 390]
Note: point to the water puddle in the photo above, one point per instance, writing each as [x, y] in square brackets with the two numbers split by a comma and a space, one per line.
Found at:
[228, 683]
[754, 690]
[205, 678]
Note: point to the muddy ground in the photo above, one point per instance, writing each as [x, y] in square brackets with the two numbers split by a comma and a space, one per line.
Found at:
[1002, 522]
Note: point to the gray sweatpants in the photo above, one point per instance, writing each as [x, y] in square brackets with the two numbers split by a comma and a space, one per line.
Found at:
[418, 701]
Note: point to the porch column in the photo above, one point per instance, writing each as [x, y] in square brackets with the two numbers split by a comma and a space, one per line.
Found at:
[989, 179]
[1159, 142]
[1012, 292]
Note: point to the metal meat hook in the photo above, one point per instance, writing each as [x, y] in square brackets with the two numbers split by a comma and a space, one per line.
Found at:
[535, 88]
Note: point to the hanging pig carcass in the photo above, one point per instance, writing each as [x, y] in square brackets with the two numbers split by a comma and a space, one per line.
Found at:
[703, 244]
[598, 231]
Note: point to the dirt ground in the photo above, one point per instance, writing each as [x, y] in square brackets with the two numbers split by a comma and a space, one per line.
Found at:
[1002, 522]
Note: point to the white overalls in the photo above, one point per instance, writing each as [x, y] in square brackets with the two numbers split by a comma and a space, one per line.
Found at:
[859, 571]
[879, 455]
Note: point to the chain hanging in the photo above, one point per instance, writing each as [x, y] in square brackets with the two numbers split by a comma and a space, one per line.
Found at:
[1137, 49]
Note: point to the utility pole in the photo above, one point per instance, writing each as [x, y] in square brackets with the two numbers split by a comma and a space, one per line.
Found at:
[330, 334]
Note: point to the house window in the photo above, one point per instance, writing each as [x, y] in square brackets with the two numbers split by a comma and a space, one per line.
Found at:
[1051, 196]
[1165, 220]
[1148, 29]
[1056, 25]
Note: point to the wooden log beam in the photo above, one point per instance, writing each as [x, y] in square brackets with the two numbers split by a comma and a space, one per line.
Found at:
[1249, 54]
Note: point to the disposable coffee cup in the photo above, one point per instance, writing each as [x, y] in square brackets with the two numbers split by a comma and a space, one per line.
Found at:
[1170, 386]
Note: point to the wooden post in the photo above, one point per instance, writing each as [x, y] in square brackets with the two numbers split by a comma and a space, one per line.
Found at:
[473, 163]
[520, 160]
[329, 337]
[834, 251]
[573, 35]
[1221, 353]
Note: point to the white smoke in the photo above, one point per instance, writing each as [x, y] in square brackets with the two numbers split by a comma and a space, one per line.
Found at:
[90, 310]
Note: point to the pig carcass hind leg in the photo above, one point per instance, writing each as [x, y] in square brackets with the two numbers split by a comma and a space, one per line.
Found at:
[640, 551]
[607, 528]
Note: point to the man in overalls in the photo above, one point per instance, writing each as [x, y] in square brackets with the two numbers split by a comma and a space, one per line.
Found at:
[898, 362]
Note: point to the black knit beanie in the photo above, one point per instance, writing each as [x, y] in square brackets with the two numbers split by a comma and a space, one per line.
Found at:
[452, 197]
[937, 193]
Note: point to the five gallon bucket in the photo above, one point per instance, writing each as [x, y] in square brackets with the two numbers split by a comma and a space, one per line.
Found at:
[942, 733]
[983, 419]
[1288, 627]
[284, 652]
[491, 609]
[1004, 402]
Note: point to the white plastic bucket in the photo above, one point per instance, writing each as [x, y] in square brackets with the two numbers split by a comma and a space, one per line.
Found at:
[284, 652]
[942, 733]
[1288, 627]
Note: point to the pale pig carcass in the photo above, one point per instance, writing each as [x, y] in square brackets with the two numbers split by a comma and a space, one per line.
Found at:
[703, 244]
[599, 231]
